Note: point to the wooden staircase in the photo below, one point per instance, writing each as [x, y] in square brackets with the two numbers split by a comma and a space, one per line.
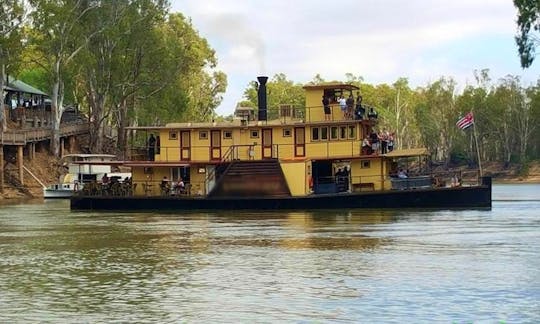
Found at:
[252, 179]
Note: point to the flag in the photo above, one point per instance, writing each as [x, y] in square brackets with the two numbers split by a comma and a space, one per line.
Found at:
[466, 122]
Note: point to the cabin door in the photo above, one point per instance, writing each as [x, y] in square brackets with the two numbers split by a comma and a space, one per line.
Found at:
[267, 143]
[185, 145]
[215, 145]
[299, 142]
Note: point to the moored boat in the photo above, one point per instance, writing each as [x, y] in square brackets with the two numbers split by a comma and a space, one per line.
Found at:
[284, 158]
[83, 169]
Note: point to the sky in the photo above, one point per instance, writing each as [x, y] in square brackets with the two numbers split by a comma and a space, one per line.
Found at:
[380, 40]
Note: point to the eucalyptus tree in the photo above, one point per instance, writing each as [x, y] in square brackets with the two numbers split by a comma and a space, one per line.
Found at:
[166, 75]
[528, 38]
[533, 98]
[58, 37]
[111, 66]
[197, 79]
[11, 19]
[436, 115]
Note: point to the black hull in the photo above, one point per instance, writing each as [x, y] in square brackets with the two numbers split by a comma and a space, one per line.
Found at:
[440, 198]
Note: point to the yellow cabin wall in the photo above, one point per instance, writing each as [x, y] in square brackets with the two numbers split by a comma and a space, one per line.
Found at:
[315, 109]
[372, 174]
[296, 177]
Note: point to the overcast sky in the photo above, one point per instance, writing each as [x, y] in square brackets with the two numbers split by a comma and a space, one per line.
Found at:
[381, 40]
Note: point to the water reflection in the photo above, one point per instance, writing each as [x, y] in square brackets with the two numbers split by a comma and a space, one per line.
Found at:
[250, 266]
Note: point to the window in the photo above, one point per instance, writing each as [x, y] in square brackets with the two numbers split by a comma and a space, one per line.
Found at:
[365, 164]
[287, 132]
[203, 135]
[254, 134]
[173, 135]
[343, 132]
[333, 133]
[324, 133]
[314, 133]
[227, 134]
[352, 132]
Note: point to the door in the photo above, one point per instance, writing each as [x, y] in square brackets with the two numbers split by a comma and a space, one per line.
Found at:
[299, 142]
[215, 145]
[267, 143]
[185, 145]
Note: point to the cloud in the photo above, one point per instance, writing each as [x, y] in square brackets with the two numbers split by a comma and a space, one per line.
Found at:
[380, 40]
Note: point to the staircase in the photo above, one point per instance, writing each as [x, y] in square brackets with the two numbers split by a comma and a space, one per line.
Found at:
[252, 179]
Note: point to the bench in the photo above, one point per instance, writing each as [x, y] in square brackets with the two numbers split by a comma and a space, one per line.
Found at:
[366, 186]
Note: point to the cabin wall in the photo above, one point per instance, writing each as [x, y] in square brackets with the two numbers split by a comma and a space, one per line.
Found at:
[169, 147]
[197, 180]
[296, 177]
[366, 175]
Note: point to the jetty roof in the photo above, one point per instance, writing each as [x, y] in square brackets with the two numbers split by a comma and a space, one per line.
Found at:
[331, 85]
[408, 152]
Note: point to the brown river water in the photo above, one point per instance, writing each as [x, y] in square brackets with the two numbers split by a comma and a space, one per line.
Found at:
[463, 266]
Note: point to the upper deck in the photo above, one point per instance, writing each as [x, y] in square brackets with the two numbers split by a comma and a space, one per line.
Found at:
[285, 132]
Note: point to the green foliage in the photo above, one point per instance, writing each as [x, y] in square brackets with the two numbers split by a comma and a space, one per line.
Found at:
[528, 22]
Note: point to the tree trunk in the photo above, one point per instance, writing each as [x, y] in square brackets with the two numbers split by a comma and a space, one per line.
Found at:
[3, 122]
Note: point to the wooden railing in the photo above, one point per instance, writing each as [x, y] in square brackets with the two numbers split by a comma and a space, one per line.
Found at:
[21, 137]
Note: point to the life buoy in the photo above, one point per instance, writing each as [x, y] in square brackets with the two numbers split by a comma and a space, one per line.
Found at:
[310, 182]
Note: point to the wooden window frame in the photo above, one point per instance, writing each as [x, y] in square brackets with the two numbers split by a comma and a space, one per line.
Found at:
[203, 135]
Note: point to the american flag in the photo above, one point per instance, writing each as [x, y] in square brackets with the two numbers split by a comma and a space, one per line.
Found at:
[466, 122]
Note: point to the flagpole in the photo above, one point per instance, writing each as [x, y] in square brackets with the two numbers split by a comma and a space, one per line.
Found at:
[477, 150]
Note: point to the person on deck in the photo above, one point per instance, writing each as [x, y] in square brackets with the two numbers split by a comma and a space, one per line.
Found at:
[151, 147]
[326, 105]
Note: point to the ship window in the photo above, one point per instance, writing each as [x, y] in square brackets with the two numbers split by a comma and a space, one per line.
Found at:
[287, 132]
[173, 135]
[227, 134]
[366, 164]
[352, 132]
[333, 133]
[324, 133]
[254, 134]
[343, 132]
[203, 135]
[314, 133]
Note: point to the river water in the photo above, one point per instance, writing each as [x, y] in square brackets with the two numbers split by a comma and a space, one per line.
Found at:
[324, 266]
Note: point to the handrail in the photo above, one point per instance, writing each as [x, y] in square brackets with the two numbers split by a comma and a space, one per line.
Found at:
[34, 176]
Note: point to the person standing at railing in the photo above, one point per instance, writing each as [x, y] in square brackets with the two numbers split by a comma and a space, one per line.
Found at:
[151, 147]
[326, 106]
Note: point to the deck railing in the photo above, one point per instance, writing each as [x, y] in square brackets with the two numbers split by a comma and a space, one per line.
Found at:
[21, 137]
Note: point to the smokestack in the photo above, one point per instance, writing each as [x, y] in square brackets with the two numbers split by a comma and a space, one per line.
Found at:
[261, 92]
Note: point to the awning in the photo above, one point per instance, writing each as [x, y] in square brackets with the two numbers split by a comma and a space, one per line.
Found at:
[407, 153]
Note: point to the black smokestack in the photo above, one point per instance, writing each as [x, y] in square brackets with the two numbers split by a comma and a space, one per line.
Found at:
[261, 92]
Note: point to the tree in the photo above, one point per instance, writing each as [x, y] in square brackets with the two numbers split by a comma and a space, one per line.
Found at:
[11, 18]
[528, 21]
[436, 115]
[111, 66]
[57, 36]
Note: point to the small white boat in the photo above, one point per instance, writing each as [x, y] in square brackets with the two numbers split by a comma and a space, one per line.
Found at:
[83, 168]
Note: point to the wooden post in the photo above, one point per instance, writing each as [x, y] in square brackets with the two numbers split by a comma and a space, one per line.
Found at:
[1, 168]
[20, 159]
[72, 144]
[477, 150]
[31, 150]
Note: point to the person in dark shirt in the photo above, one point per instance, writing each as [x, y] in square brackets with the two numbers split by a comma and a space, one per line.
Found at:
[326, 105]
[151, 147]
